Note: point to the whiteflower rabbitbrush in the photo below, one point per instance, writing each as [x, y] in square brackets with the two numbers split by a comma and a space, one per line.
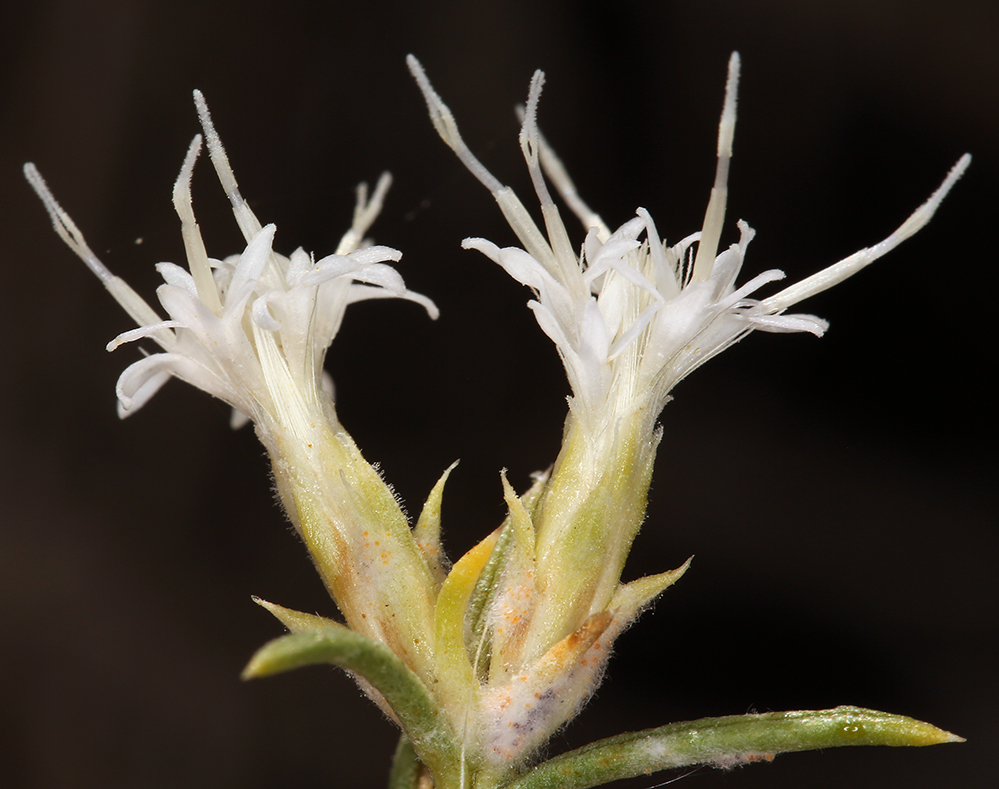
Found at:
[480, 663]
[253, 330]
[630, 318]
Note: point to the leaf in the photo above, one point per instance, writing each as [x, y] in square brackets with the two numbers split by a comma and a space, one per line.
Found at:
[428, 530]
[726, 742]
[406, 767]
[635, 595]
[421, 719]
[488, 585]
[295, 621]
[458, 687]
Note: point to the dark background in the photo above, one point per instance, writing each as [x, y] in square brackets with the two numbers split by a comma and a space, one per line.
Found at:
[837, 493]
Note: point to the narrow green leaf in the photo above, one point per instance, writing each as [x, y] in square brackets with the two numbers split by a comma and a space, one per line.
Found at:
[726, 742]
[419, 715]
[427, 530]
[458, 687]
[295, 621]
[482, 598]
[405, 766]
[488, 584]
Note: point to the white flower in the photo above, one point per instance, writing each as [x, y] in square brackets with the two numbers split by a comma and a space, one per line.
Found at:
[251, 329]
[631, 317]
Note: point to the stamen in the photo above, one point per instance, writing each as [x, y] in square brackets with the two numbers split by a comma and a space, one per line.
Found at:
[714, 216]
[248, 223]
[443, 121]
[849, 266]
[194, 245]
[559, 176]
[513, 210]
[136, 306]
[565, 256]
[365, 212]
[64, 226]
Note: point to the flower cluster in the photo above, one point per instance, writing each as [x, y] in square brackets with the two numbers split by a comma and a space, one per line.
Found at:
[481, 662]
[253, 329]
[242, 327]
[630, 318]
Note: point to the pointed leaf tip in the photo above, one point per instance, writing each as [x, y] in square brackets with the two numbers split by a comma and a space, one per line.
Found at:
[414, 707]
[295, 621]
[727, 742]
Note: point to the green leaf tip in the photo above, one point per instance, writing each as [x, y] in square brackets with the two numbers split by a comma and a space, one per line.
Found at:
[858, 726]
[727, 742]
[410, 701]
[295, 621]
[406, 767]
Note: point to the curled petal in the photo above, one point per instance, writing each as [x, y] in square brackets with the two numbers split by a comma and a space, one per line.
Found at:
[178, 277]
[141, 390]
[516, 262]
[139, 381]
[374, 273]
[376, 254]
[782, 324]
[142, 331]
[263, 308]
[753, 285]
[363, 292]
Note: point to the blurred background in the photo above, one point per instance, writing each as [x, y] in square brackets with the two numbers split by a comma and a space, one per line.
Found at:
[838, 494]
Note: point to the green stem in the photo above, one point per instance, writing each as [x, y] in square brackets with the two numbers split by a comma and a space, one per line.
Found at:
[725, 742]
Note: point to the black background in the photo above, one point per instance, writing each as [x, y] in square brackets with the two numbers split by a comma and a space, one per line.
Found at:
[836, 493]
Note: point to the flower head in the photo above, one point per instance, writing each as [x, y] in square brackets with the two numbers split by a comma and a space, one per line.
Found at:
[253, 329]
[246, 326]
[630, 316]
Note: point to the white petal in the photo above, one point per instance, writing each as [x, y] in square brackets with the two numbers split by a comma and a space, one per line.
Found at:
[754, 284]
[363, 292]
[142, 331]
[515, 261]
[251, 264]
[790, 323]
[177, 277]
[376, 254]
[143, 389]
[133, 386]
[300, 263]
[262, 311]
